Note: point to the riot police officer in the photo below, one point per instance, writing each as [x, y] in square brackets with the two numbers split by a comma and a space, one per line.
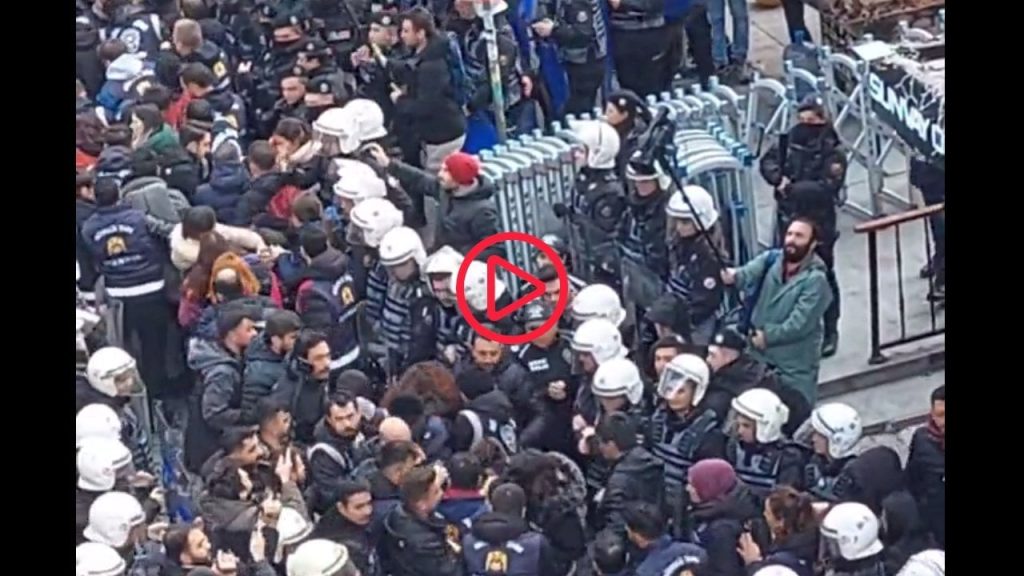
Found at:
[317, 61]
[695, 268]
[369, 63]
[642, 227]
[681, 431]
[834, 430]
[639, 37]
[757, 450]
[440, 267]
[409, 313]
[140, 30]
[598, 196]
[189, 44]
[370, 220]
[339, 23]
[548, 360]
[579, 30]
[542, 261]
[807, 168]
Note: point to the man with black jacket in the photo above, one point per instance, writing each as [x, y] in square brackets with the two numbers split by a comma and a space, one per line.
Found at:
[331, 457]
[265, 359]
[303, 387]
[926, 467]
[578, 29]
[348, 522]
[642, 228]
[414, 540]
[469, 213]
[636, 474]
[808, 170]
[503, 533]
[426, 97]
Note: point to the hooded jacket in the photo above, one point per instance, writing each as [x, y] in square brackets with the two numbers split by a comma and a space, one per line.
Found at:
[790, 314]
[904, 532]
[329, 266]
[492, 405]
[872, 476]
[496, 529]
[263, 368]
[510, 377]
[429, 102]
[637, 476]
[163, 205]
[415, 547]
[217, 399]
[229, 181]
[718, 526]
[304, 395]
[798, 552]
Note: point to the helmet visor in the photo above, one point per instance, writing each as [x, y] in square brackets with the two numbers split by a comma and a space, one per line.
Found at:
[127, 382]
[671, 382]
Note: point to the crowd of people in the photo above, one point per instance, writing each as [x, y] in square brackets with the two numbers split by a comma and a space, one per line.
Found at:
[273, 376]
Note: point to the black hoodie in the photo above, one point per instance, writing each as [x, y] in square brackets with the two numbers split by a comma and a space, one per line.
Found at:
[637, 476]
[903, 532]
[429, 103]
[263, 368]
[304, 395]
[252, 207]
[496, 529]
[494, 405]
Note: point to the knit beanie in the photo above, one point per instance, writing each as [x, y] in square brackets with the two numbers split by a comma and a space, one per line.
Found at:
[464, 168]
[712, 479]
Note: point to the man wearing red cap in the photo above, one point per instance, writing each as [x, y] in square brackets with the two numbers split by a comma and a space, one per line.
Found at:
[468, 211]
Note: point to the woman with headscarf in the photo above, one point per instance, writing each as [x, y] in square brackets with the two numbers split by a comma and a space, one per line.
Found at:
[723, 509]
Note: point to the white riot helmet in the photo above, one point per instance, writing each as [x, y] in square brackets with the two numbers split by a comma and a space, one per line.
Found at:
[111, 371]
[112, 517]
[474, 286]
[444, 262]
[840, 425]
[766, 410]
[682, 369]
[98, 461]
[329, 128]
[654, 172]
[96, 421]
[927, 563]
[702, 202]
[599, 338]
[365, 123]
[318, 558]
[357, 181]
[850, 529]
[601, 141]
[618, 377]
[775, 570]
[598, 301]
[95, 559]
[400, 245]
[374, 218]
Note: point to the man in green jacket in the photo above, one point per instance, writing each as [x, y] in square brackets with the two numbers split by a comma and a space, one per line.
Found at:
[786, 327]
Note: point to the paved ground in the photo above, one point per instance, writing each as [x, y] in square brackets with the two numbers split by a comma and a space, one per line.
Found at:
[768, 38]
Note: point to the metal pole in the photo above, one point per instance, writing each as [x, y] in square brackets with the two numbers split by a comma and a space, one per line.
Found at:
[876, 343]
[485, 9]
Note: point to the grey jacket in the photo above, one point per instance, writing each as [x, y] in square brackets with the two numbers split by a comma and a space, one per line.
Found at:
[162, 205]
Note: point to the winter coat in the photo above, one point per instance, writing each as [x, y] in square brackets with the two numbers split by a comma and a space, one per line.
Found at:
[229, 181]
[163, 206]
[798, 552]
[415, 547]
[361, 548]
[718, 526]
[460, 507]
[304, 395]
[494, 404]
[496, 529]
[790, 314]
[325, 473]
[559, 518]
[216, 401]
[185, 251]
[89, 275]
[872, 476]
[256, 199]
[231, 522]
[510, 377]
[127, 256]
[263, 368]
[637, 476]
[926, 479]
[429, 104]
[468, 217]
[905, 532]
[663, 553]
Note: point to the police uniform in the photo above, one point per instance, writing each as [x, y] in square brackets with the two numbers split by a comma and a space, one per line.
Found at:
[141, 33]
[447, 325]
[339, 296]
[695, 276]
[211, 55]
[372, 277]
[474, 51]
[642, 232]
[547, 365]
[407, 324]
[340, 25]
[825, 479]
[518, 557]
[581, 34]
[764, 466]
[317, 49]
[681, 443]
[373, 80]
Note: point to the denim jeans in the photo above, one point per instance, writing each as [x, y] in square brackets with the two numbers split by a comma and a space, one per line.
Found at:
[721, 49]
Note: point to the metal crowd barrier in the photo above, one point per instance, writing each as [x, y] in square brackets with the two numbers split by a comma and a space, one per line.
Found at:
[535, 172]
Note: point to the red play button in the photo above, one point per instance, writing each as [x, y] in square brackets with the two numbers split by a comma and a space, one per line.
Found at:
[537, 288]
[493, 263]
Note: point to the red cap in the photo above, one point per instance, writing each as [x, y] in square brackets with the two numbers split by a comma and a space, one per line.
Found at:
[464, 168]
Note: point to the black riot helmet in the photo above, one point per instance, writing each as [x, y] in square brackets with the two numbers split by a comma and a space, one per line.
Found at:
[535, 313]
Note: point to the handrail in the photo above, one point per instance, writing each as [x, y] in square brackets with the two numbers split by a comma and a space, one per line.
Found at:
[872, 228]
[897, 219]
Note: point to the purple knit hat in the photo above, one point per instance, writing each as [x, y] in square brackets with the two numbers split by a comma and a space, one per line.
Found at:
[712, 479]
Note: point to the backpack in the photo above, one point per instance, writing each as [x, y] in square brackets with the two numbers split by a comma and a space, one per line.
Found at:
[461, 84]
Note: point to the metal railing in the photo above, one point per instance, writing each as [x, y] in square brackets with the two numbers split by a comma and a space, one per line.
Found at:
[872, 228]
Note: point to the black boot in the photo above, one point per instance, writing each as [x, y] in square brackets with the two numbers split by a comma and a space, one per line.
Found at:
[830, 344]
